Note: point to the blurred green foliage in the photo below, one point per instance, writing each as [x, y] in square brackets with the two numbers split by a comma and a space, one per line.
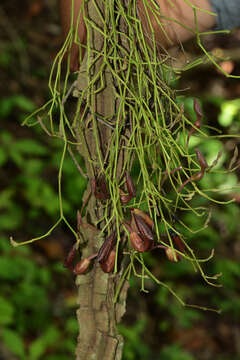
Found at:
[36, 319]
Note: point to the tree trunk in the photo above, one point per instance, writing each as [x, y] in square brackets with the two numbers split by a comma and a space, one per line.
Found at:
[97, 315]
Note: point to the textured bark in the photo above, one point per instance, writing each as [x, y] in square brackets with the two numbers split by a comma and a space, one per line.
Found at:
[97, 314]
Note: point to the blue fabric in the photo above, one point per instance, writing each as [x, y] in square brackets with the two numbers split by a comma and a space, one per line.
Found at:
[228, 13]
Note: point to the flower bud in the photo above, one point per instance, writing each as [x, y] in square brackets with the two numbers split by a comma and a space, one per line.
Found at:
[138, 243]
[108, 265]
[103, 187]
[106, 247]
[68, 262]
[93, 186]
[130, 185]
[143, 228]
[81, 267]
[124, 198]
[171, 254]
[133, 224]
[178, 242]
[201, 160]
[99, 188]
[197, 108]
[79, 220]
[144, 216]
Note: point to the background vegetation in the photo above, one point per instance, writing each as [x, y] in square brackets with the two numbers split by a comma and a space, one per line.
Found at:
[38, 296]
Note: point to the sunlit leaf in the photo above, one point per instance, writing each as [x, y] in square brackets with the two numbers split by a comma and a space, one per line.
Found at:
[229, 110]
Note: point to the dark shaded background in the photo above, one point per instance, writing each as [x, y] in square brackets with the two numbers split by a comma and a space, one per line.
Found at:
[38, 296]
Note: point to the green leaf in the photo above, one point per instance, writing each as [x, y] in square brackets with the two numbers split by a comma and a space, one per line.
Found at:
[6, 198]
[211, 151]
[16, 157]
[5, 245]
[33, 297]
[5, 59]
[229, 109]
[6, 138]
[186, 318]
[29, 147]
[44, 276]
[6, 311]
[230, 272]
[57, 357]
[6, 106]
[7, 264]
[11, 218]
[23, 103]
[231, 305]
[182, 268]
[135, 348]
[41, 194]
[215, 100]
[174, 352]
[3, 157]
[69, 344]
[58, 268]
[188, 106]
[16, 267]
[34, 167]
[14, 342]
[38, 347]
[72, 326]
[78, 183]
